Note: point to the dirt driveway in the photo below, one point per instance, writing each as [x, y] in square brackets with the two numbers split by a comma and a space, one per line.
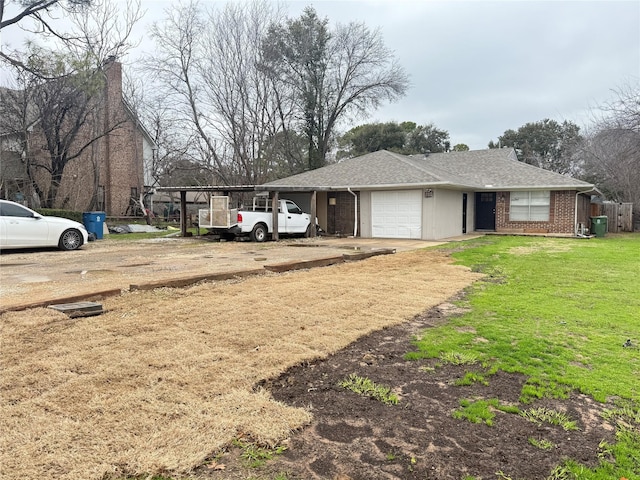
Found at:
[28, 277]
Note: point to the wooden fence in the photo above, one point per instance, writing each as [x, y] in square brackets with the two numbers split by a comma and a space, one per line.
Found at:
[619, 216]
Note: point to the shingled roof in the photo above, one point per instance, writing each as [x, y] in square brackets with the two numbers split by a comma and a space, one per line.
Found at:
[493, 169]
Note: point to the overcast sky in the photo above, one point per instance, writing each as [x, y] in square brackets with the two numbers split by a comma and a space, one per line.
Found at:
[478, 68]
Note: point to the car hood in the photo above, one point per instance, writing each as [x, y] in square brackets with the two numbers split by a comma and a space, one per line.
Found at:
[64, 221]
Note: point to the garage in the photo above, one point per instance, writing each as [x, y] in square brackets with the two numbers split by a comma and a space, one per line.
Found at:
[396, 214]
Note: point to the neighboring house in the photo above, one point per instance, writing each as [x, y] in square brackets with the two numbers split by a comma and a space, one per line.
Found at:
[108, 176]
[439, 195]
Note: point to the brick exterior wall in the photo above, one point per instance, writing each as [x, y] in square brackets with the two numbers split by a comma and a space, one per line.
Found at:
[561, 214]
[114, 162]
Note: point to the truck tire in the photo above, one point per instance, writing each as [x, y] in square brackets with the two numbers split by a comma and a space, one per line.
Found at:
[259, 233]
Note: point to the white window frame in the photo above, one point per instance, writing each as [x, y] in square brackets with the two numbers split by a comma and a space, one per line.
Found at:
[530, 206]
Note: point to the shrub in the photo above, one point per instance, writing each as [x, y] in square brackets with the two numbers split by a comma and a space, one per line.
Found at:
[52, 212]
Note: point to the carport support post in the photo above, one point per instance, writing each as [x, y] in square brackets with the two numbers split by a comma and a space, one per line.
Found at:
[312, 230]
[274, 211]
[183, 213]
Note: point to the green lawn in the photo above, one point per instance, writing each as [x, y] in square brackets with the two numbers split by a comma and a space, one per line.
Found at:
[558, 311]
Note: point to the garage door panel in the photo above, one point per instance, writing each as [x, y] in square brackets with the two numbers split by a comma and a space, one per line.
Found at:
[396, 214]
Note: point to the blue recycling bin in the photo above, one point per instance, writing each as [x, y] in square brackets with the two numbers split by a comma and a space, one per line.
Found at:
[94, 223]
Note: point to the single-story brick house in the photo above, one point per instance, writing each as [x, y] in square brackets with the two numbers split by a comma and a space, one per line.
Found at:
[440, 195]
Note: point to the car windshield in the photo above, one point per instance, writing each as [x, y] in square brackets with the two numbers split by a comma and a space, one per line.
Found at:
[11, 210]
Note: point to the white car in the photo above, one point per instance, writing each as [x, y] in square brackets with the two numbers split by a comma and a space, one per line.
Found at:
[21, 227]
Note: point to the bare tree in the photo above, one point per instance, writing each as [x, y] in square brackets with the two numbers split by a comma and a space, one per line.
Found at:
[334, 74]
[64, 91]
[209, 66]
[623, 111]
[37, 10]
[612, 161]
[105, 30]
[17, 117]
[611, 151]
[157, 116]
[41, 14]
[178, 82]
[249, 109]
[241, 87]
[59, 120]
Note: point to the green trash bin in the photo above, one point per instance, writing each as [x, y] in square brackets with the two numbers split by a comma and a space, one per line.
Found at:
[599, 226]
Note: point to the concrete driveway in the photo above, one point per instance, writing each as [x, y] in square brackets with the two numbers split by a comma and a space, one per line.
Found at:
[112, 265]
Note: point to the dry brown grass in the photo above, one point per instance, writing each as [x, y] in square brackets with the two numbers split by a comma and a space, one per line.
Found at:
[165, 378]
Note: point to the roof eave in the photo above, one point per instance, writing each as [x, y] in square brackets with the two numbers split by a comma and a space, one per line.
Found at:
[329, 188]
[581, 187]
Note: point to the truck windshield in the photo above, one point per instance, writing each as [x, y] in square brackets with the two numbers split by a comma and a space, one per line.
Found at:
[293, 208]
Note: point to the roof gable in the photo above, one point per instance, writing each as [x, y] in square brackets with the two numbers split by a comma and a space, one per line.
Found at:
[476, 169]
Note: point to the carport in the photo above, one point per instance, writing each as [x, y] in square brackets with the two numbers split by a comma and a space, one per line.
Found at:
[226, 190]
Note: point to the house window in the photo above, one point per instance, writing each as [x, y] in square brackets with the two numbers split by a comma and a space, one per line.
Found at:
[530, 206]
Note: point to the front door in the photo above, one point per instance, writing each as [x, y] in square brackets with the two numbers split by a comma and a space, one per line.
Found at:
[464, 213]
[485, 210]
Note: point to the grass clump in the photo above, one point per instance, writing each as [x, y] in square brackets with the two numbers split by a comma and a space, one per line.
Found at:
[459, 358]
[536, 389]
[475, 412]
[256, 456]
[481, 411]
[552, 417]
[470, 378]
[365, 386]
[542, 444]
[625, 413]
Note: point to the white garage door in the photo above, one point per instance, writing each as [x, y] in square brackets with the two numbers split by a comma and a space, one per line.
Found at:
[396, 214]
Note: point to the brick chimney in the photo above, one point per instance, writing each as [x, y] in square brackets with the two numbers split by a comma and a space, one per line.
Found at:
[112, 101]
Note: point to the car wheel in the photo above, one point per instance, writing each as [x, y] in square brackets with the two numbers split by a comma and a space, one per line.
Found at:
[70, 240]
[259, 233]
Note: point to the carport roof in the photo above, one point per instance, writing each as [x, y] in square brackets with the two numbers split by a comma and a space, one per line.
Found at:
[492, 169]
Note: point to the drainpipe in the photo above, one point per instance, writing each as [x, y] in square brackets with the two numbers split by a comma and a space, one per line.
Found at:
[355, 223]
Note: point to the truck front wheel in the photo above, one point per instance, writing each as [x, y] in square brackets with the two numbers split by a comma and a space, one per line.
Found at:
[259, 233]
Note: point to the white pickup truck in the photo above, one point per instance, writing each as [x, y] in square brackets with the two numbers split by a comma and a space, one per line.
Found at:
[257, 222]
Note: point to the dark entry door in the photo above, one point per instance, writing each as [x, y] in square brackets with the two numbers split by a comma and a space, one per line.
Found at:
[464, 213]
[485, 210]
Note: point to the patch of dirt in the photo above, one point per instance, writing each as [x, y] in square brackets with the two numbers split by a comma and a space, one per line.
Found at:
[541, 246]
[355, 437]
